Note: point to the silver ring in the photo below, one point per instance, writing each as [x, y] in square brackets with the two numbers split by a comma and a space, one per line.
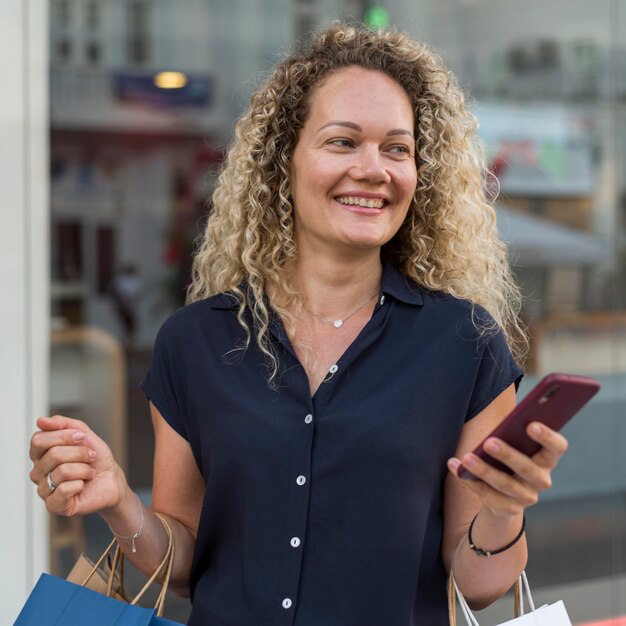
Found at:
[51, 484]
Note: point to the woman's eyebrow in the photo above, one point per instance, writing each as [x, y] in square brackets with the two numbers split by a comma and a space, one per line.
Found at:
[400, 131]
[353, 126]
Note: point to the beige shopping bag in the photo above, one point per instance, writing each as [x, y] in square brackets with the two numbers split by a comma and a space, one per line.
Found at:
[106, 576]
[105, 579]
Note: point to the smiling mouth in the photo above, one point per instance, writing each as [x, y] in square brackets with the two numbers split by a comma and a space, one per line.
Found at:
[366, 203]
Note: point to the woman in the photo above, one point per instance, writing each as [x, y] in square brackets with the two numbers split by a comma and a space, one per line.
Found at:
[344, 348]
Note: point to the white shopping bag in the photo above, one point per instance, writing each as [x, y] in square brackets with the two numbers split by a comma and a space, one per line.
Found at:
[548, 615]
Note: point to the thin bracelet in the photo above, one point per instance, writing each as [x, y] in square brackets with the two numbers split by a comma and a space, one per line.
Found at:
[481, 552]
[135, 535]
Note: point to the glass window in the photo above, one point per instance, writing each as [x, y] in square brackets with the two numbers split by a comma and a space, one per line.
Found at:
[92, 15]
[62, 12]
[138, 32]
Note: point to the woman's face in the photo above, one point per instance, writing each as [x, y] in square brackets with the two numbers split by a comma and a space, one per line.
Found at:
[354, 171]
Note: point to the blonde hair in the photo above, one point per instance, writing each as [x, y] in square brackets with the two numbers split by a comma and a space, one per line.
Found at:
[448, 241]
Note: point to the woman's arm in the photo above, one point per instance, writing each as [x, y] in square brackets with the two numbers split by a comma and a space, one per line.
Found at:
[498, 499]
[178, 491]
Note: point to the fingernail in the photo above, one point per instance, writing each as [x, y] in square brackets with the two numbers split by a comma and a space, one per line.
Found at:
[470, 461]
[535, 429]
[453, 464]
[492, 446]
[79, 435]
[92, 454]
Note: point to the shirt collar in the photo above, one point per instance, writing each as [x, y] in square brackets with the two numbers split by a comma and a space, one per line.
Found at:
[402, 288]
[226, 301]
[394, 283]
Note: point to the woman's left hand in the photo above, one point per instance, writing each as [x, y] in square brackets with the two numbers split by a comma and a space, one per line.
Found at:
[504, 494]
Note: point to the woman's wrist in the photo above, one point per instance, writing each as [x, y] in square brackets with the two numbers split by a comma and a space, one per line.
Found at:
[125, 516]
[490, 532]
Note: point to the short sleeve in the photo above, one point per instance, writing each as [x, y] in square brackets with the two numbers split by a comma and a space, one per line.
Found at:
[496, 371]
[162, 384]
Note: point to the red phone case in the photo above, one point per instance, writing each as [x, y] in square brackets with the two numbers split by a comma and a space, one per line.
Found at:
[553, 401]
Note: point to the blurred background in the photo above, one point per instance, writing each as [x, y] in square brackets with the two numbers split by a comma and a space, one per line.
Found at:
[142, 99]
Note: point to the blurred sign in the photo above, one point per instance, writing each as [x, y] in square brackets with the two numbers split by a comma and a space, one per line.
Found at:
[141, 89]
[537, 150]
[377, 17]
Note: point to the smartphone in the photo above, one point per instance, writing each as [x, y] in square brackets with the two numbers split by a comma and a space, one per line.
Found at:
[553, 401]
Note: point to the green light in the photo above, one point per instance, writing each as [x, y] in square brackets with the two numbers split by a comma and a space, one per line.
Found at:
[377, 17]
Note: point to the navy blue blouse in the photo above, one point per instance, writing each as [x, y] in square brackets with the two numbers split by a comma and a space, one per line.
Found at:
[326, 511]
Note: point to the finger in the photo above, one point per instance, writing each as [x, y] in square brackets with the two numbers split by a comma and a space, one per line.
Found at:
[553, 444]
[499, 481]
[57, 456]
[60, 422]
[42, 441]
[61, 501]
[66, 472]
[72, 471]
[522, 465]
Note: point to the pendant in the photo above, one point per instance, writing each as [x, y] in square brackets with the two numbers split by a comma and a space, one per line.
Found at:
[338, 323]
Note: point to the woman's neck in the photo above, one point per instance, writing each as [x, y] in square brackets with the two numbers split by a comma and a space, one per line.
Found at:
[331, 287]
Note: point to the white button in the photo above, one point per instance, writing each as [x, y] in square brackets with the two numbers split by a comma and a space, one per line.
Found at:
[308, 419]
[287, 603]
[295, 542]
[333, 369]
[382, 299]
[301, 480]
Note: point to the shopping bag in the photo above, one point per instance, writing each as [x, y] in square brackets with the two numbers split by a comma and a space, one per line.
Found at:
[163, 621]
[58, 602]
[547, 615]
[105, 580]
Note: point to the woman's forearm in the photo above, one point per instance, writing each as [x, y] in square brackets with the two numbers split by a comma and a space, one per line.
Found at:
[151, 544]
[483, 579]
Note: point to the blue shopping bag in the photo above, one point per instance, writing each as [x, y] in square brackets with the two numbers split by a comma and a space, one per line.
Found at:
[58, 602]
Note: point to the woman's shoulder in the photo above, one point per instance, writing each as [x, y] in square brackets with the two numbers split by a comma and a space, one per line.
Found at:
[198, 314]
[444, 302]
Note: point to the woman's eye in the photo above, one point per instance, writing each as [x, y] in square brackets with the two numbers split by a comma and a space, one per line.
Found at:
[401, 149]
[342, 143]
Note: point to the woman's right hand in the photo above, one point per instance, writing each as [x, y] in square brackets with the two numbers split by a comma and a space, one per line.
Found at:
[81, 464]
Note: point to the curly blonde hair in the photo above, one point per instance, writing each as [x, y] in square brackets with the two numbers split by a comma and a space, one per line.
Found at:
[448, 241]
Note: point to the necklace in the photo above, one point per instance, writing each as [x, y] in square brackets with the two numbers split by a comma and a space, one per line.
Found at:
[340, 321]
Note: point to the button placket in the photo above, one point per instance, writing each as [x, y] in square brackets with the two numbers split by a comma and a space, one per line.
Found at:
[297, 519]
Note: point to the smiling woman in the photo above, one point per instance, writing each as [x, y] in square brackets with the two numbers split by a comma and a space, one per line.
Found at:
[346, 343]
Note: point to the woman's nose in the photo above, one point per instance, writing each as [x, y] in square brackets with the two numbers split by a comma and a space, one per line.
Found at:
[370, 166]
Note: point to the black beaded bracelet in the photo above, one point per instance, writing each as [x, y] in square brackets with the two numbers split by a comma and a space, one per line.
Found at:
[481, 552]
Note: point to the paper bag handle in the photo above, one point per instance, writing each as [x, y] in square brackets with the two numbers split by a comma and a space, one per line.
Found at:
[166, 565]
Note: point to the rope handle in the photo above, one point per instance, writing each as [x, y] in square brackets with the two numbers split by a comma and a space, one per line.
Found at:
[118, 561]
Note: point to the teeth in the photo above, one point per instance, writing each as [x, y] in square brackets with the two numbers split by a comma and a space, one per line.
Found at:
[370, 203]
